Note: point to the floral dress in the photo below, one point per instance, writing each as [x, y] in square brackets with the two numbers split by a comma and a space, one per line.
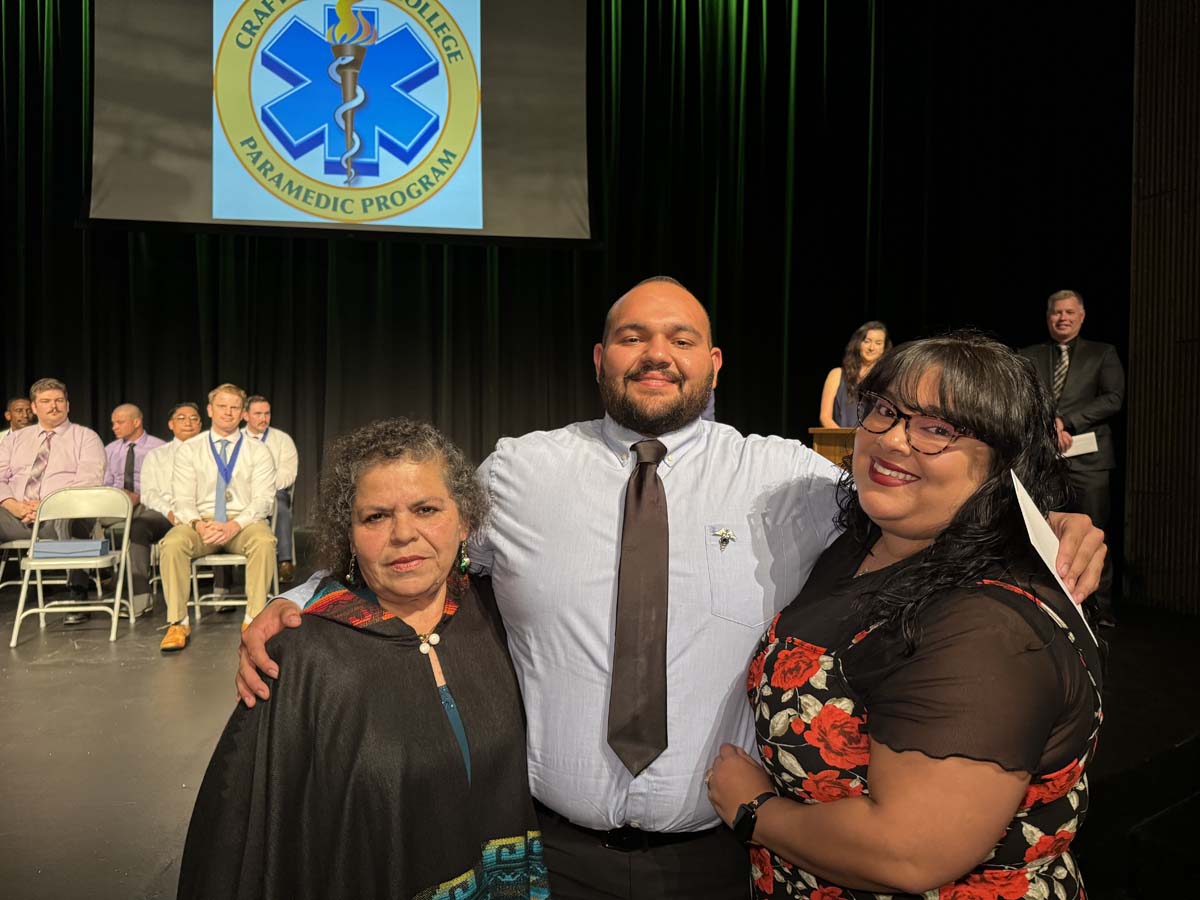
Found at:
[1000, 674]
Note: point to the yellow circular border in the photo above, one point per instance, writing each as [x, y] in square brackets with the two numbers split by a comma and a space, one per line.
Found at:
[236, 112]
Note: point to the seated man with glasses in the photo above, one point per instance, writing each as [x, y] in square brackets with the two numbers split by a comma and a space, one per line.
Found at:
[222, 485]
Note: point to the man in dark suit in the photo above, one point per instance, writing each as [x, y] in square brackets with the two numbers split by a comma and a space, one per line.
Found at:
[1088, 385]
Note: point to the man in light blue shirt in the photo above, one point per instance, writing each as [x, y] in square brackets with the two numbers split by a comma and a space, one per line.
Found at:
[747, 518]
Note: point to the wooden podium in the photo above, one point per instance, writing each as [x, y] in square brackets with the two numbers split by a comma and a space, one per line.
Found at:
[833, 443]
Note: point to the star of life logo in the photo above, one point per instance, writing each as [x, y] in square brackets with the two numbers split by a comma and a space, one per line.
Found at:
[346, 111]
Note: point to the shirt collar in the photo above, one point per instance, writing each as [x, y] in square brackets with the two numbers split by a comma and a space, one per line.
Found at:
[619, 439]
[59, 430]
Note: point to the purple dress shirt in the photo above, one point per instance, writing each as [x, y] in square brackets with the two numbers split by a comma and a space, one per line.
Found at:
[76, 460]
[116, 452]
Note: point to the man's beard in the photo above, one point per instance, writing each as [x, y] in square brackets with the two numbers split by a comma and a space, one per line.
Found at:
[671, 417]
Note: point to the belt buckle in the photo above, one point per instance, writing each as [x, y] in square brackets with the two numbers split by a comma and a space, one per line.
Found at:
[626, 839]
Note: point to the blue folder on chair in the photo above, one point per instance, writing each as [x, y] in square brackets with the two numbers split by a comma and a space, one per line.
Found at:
[74, 549]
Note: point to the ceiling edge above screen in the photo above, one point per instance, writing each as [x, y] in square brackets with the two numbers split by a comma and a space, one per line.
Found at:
[281, 125]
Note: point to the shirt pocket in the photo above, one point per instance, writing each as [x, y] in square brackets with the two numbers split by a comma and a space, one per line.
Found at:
[747, 586]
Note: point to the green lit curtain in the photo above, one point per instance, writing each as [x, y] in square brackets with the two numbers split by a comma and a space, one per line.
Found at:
[802, 166]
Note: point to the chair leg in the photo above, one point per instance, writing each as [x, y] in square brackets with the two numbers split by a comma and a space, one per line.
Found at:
[195, 594]
[21, 610]
[41, 600]
[116, 610]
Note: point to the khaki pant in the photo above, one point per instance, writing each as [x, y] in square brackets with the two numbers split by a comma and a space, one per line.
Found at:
[182, 544]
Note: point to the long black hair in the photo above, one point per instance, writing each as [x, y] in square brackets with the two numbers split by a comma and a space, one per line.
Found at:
[984, 387]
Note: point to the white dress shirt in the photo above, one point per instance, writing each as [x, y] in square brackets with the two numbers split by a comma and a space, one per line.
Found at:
[553, 547]
[194, 480]
[283, 452]
[157, 472]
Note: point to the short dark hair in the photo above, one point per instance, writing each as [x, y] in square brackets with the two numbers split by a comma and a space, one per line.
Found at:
[183, 403]
[387, 440]
[12, 400]
[656, 279]
[257, 398]
[985, 387]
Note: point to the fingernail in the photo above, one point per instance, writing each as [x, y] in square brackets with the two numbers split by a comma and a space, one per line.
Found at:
[273, 672]
[262, 693]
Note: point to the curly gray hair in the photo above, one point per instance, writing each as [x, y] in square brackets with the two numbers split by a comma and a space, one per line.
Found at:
[380, 442]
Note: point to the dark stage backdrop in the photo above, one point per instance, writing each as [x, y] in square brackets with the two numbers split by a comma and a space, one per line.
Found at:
[802, 166]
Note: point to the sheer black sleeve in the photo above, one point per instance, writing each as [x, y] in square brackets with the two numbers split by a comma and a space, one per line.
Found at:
[992, 679]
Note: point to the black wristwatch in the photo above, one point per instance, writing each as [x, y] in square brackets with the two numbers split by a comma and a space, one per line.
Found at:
[746, 817]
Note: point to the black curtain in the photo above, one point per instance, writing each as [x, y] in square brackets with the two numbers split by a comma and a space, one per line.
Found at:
[802, 166]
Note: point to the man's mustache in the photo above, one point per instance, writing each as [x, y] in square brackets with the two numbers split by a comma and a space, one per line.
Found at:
[673, 377]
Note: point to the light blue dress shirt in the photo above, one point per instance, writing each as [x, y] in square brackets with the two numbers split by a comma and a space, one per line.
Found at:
[552, 547]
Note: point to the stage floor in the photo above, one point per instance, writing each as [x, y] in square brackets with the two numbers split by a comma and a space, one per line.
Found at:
[102, 748]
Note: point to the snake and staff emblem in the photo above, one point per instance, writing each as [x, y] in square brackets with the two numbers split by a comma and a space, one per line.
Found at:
[350, 37]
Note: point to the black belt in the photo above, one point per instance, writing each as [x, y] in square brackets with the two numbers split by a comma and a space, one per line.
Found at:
[627, 838]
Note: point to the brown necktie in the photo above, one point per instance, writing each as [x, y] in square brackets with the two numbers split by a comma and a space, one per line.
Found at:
[637, 706]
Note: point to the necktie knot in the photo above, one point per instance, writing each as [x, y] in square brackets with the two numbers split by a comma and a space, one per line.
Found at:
[1064, 349]
[651, 451]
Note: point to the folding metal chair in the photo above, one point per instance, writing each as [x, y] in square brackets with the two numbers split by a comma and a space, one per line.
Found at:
[78, 503]
[225, 559]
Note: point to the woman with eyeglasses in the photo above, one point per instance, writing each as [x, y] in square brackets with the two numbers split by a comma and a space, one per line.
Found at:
[925, 709]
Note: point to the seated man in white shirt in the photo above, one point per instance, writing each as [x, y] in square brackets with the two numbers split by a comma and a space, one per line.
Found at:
[222, 486]
[283, 451]
[184, 423]
[126, 460]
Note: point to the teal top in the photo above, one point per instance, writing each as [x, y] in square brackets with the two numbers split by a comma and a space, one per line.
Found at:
[456, 723]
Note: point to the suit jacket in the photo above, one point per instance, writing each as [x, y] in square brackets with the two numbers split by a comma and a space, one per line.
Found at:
[1093, 393]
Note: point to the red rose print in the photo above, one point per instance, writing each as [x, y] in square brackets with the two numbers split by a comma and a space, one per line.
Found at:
[993, 884]
[1053, 786]
[761, 871]
[771, 638]
[1048, 846]
[839, 737]
[827, 893]
[756, 669]
[825, 787]
[797, 725]
[795, 666]
[767, 751]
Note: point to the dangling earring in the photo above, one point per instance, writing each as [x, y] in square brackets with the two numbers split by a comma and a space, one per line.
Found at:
[352, 571]
[457, 580]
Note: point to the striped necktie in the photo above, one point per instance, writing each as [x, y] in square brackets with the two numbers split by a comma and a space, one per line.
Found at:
[33, 487]
[1060, 369]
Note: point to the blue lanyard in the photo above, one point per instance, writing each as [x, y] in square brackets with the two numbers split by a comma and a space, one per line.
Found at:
[266, 431]
[225, 470]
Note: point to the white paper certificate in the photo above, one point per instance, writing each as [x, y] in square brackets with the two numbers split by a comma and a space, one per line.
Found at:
[1044, 541]
[1081, 444]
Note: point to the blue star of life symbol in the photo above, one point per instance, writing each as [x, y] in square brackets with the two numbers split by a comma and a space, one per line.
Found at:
[302, 118]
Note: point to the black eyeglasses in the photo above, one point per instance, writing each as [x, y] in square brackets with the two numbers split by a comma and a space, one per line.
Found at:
[926, 434]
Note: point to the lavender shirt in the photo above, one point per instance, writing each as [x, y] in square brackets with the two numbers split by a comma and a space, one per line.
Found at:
[76, 460]
[116, 453]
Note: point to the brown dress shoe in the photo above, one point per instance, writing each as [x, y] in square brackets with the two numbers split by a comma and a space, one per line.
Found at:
[287, 571]
[175, 639]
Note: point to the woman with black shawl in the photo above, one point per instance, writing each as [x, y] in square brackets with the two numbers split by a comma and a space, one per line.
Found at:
[391, 760]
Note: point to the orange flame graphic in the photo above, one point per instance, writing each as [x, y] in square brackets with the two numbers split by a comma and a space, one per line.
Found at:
[352, 26]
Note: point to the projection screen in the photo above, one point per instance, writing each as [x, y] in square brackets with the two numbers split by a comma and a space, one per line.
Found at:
[445, 116]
